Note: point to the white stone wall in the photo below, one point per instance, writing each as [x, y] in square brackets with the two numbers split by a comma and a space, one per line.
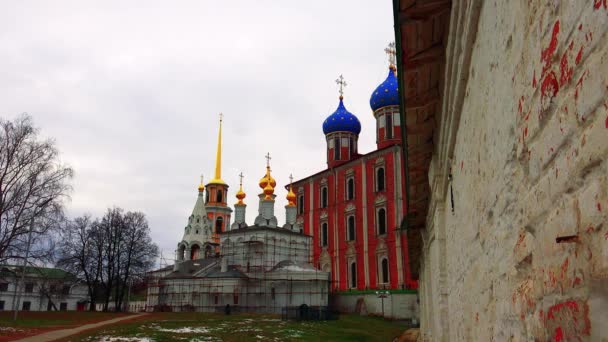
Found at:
[396, 305]
[524, 133]
[39, 301]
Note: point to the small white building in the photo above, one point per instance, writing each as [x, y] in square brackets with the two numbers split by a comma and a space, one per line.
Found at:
[43, 289]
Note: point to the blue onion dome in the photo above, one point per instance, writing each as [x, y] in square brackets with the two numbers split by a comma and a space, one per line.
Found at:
[341, 121]
[387, 93]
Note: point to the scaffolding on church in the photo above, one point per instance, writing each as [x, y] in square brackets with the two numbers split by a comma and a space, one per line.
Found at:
[263, 274]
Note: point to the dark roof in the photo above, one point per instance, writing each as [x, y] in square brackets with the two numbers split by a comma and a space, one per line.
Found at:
[187, 269]
[232, 272]
[255, 228]
[32, 271]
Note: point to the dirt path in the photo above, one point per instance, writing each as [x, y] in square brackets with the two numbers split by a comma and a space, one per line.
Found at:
[58, 334]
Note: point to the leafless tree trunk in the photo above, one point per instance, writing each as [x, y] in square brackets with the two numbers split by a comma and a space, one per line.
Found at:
[33, 187]
[81, 253]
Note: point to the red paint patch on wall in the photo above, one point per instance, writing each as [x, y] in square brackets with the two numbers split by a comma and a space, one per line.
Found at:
[606, 121]
[579, 56]
[599, 206]
[577, 281]
[549, 86]
[534, 80]
[597, 4]
[565, 70]
[559, 335]
[547, 54]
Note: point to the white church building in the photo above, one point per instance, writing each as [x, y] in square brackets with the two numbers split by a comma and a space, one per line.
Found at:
[261, 267]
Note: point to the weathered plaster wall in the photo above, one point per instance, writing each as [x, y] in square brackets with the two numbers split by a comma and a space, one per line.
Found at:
[396, 305]
[526, 247]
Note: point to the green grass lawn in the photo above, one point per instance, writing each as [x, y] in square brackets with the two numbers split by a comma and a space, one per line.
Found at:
[244, 327]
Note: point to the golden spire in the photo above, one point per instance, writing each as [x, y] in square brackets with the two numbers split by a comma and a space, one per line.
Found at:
[392, 54]
[218, 157]
[201, 187]
[240, 195]
[291, 197]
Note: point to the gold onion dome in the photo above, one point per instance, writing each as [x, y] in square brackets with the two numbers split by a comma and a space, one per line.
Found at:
[240, 195]
[291, 197]
[201, 187]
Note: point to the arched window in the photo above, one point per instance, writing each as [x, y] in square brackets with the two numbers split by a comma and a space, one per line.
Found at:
[351, 228]
[385, 270]
[353, 275]
[194, 252]
[350, 189]
[219, 224]
[351, 147]
[380, 179]
[324, 234]
[300, 204]
[219, 196]
[207, 196]
[381, 221]
[336, 148]
[389, 126]
[324, 197]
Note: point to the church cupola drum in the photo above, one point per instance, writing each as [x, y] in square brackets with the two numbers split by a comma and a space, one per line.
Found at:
[341, 131]
[385, 105]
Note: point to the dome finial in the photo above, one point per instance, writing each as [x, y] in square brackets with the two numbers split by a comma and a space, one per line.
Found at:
[340, 81]
[240, 195]
[392, 56]
[291, 196]
[201, 187]
[267, 183]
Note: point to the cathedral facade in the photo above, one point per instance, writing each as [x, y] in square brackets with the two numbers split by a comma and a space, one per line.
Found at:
[354, 207]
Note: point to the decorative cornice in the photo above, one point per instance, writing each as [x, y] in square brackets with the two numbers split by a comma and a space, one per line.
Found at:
[380, 199]
[323, 215]
[350, 207]
[379, 161]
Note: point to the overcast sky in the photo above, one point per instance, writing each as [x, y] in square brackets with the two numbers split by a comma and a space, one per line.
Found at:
[131, 92]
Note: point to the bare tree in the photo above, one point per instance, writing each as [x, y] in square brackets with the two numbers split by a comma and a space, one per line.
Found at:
[110, 253]
[81, 252]
[33, 187]
[138, 254]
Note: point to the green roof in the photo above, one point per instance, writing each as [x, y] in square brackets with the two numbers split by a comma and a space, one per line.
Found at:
[32, 271]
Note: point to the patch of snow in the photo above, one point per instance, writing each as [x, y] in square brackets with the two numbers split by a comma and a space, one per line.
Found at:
[9, 330]
[184, 330]
[124, 339]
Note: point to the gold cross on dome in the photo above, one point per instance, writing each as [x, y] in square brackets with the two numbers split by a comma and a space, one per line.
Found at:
[342, 84]
[392, 53]
[221, 117]
[268, 159]
[202, 177]
[241, 177]
[290, 178]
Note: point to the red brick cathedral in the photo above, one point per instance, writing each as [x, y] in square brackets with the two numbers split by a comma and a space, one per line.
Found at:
[354, 207]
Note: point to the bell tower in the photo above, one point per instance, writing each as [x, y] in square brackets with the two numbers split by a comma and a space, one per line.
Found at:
[216, 195]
